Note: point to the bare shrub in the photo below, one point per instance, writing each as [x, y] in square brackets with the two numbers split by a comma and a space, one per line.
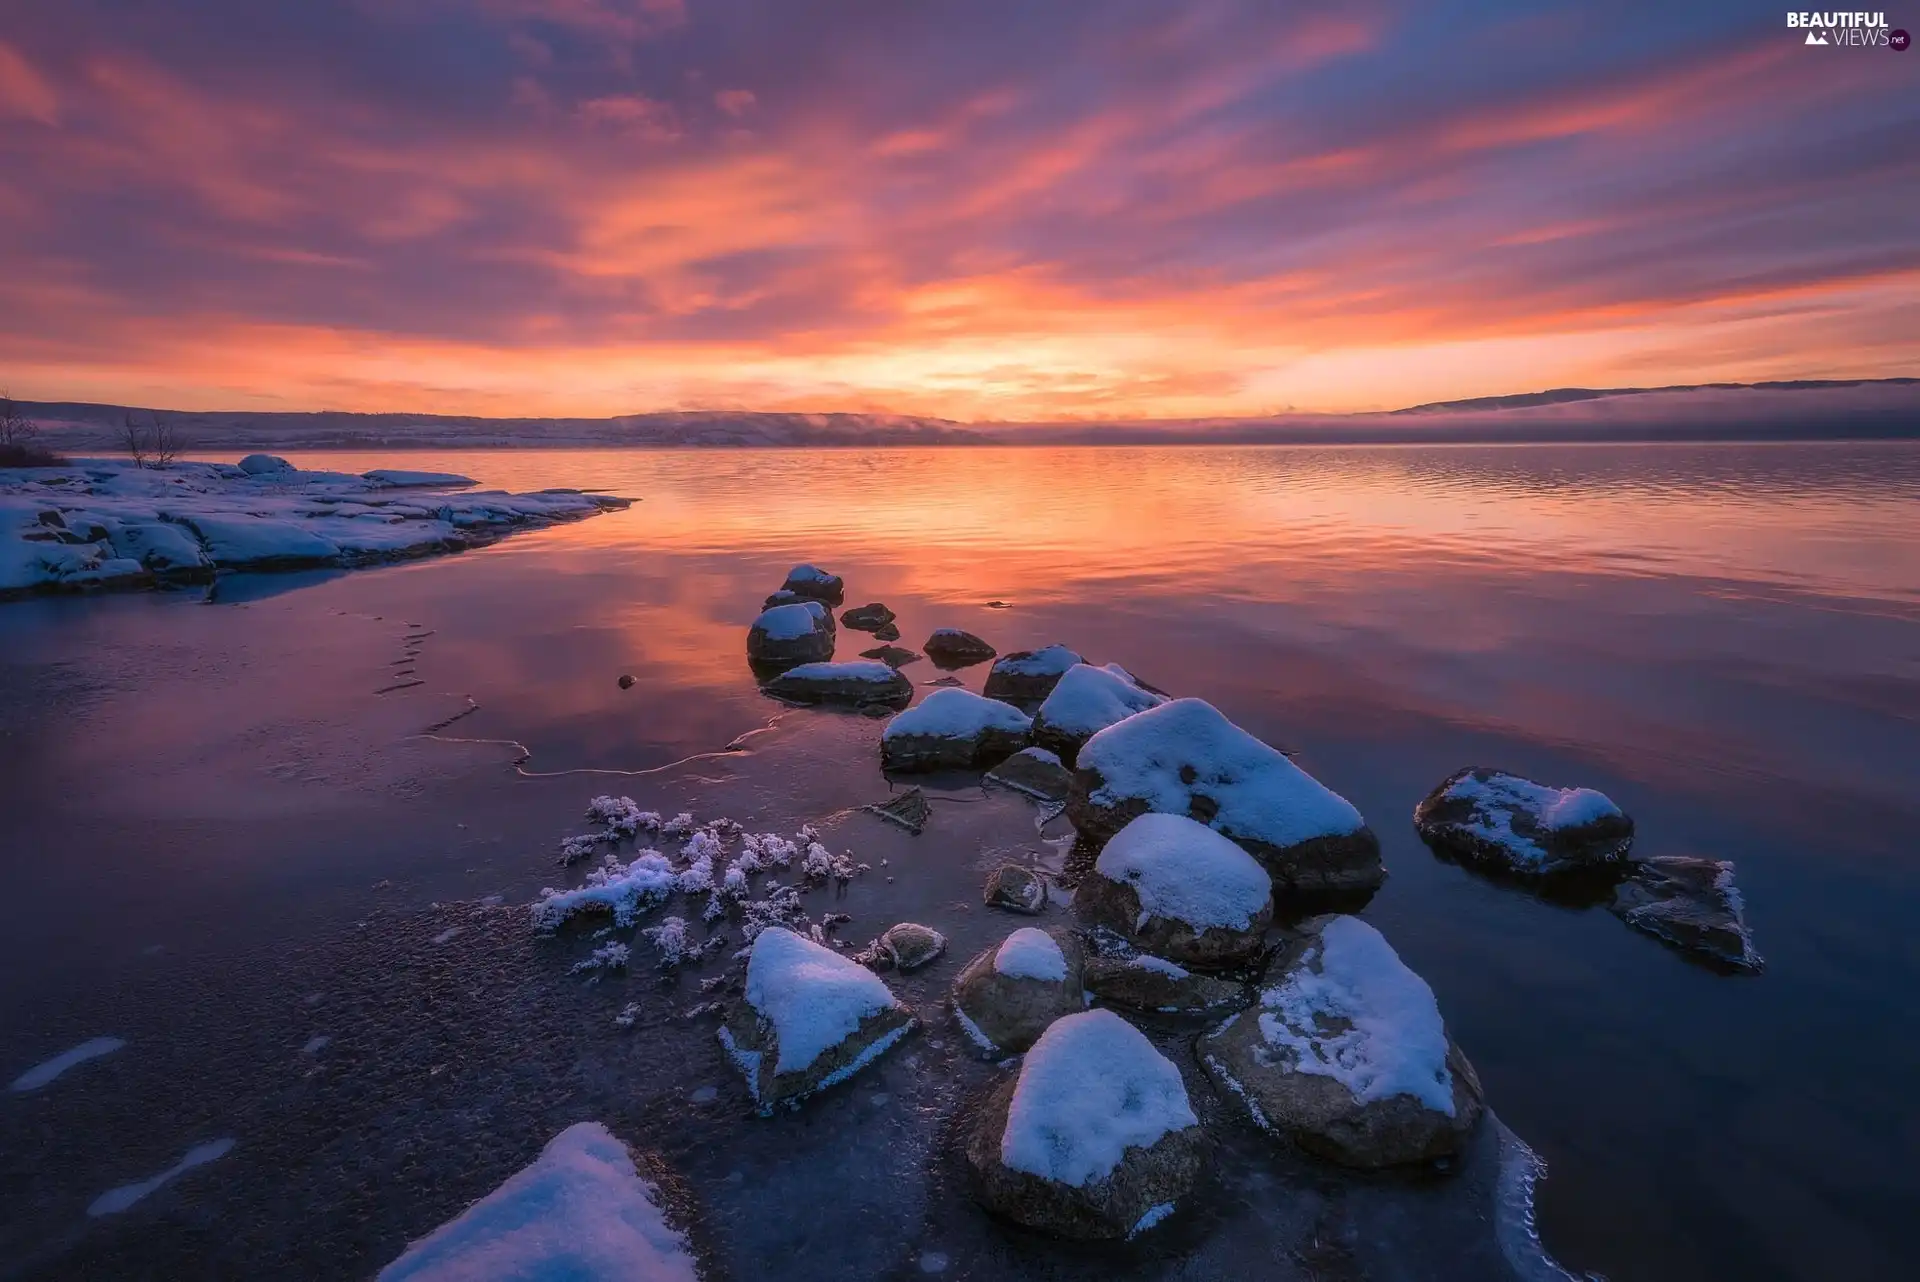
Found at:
[15, 427]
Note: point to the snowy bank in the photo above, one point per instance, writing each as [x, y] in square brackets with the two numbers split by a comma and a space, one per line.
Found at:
[581, 1211]
[99, 523]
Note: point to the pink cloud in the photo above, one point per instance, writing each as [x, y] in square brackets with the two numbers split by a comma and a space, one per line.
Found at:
[633, 114]
[735, 102]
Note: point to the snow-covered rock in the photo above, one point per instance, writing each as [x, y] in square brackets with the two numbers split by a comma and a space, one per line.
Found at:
[1085, 701]
[1515, 825]
[1346, 1054]
[265, 465]
[812, 581]
[860, 683]
[867, 618]
[1019, 890]
[1036, 772]
[1690, 904]
[811, 1018]
[1028, 676]
[1008, 995]
[953, 648]
[790, 634]
[99, 523]
[954, 730]
[1093, 1138]
[1185, 758]
[581, 1211]
[1154, 985]
[1177, 888]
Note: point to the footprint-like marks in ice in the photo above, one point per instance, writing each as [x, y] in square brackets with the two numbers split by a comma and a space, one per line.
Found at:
[43, 1074]
[118, 1200]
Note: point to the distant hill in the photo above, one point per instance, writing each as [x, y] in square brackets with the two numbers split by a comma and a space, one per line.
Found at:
[1865, 409]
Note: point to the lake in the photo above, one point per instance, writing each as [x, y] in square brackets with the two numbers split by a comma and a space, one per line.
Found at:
[219, 835]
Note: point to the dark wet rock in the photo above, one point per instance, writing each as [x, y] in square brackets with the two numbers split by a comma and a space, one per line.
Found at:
[1008, 995]
[1184, 757]
[797, 993]
[953, 730]
[859, 684]
[1016, 889]
[999, 605]
[908, 945]
[1154, 985]
[949, 682]
[1345, 1054]
[1093, 1138]
[626, 681]
[1085, 701]
[1176, 888]
[894, 656]
[867, 618]
[1514, 825]
[792, 633]
[1028, 676]
[952, 648]
[1690, 904]
[910, 810]
[889, 632]
[812, 581]
[265, 465]
[1036, 772]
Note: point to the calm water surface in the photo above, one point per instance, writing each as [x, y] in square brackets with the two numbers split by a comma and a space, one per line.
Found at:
[1726, 639]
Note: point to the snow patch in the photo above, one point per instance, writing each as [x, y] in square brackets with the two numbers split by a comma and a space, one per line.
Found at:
[43, 1074]
[117, 1200]
[1090, 699]
[1092, 1087]
[1030, 953]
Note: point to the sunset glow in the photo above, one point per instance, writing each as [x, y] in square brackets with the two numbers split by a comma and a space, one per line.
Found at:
[590, 207]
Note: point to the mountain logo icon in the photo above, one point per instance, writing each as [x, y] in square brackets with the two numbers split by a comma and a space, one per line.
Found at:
[1815, 38]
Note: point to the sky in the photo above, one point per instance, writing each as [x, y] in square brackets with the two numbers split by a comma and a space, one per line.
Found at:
[994, 210]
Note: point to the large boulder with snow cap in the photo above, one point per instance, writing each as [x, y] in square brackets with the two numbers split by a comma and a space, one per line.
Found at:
[791, 634]
[1093, 1138]
[1086, 701]
[812, 581]
[1007, 996]
[954, 648]
[811, 1018]
[1028, 676]
[1185, 758]
[265, 465]
[1346, 1054]
[865, 683]
[954, 730]
[1175, 887]
[1512, 824]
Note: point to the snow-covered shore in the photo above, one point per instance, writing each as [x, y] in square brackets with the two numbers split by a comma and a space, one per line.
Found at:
[101, 523]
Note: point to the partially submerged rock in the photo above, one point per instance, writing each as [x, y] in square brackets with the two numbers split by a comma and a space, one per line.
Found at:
[953, 730]
[910, 810]
[791, 633]
[908, 945]
[894, 656]
[1036, 772]
[1346, 1054]
[581, 1210]
[952, 648]
[863, 683]
[812, 581]
[1016, 889]
[626, 681]
[867, 618]
[1154, 985]
[1185, 758]
[1085, 701]
[1093, 1138]
[1177, 888]
[1514, 825]
[811, 1018]
[1028, 676]
[1008, 995]
[887, 632]
[1690, 904]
